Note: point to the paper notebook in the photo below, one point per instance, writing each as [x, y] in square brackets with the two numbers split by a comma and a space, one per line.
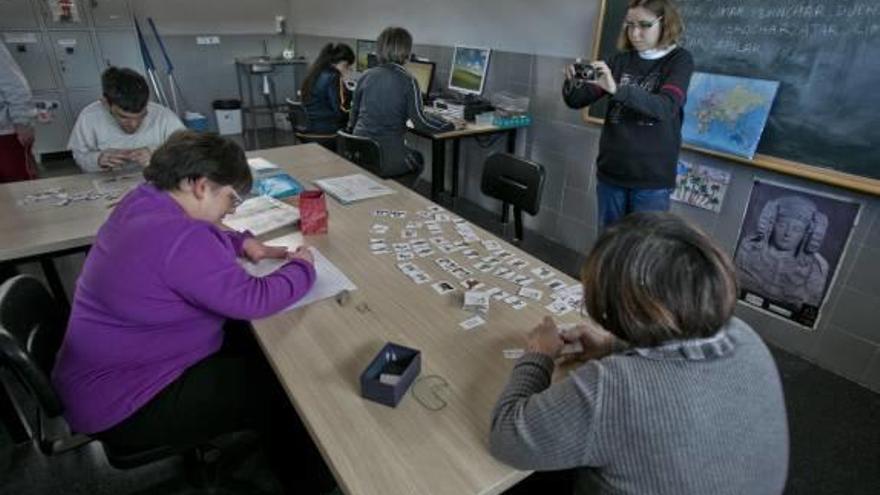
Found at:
[351, 188]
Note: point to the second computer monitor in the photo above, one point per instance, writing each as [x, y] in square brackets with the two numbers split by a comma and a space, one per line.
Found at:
[469, 65]
[424, 73]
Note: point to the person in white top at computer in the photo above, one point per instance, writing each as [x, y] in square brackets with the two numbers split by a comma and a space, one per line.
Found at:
[123, 127]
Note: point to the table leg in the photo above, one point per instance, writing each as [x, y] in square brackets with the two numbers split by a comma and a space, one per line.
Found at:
[456, 148]
[511, 141]
[55, 285]
[438, 168]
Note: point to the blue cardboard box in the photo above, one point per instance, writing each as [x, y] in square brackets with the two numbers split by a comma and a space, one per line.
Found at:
[393, 359]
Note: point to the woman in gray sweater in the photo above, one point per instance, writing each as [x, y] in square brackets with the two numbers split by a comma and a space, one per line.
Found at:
[676, 396]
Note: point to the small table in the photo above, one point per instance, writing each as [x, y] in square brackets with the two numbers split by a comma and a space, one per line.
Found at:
[438, 152]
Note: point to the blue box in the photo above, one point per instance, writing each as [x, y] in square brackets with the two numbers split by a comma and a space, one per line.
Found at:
[406, 362]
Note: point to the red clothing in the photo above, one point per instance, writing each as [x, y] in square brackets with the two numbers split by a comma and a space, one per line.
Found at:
[16, 161]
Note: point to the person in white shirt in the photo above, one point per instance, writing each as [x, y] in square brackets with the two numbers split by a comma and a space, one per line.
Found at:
[123, 127]
[16, 122]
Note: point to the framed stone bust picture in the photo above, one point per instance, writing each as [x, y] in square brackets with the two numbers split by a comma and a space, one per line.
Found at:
[789, 249]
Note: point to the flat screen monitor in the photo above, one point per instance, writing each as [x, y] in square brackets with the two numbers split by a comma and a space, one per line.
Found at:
[469, 65]
[424, 74]
[364, 48]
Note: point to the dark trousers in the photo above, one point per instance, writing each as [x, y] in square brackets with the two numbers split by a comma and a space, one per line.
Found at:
[232, 390]
[16, 161]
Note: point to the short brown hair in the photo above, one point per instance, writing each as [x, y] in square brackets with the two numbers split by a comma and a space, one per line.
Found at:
[653, 277]
[192, 155]
[671, 24]
[394, 45]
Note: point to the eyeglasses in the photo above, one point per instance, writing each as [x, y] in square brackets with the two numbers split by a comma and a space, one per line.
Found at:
[643, 25]
[236, 199]
[583, 310]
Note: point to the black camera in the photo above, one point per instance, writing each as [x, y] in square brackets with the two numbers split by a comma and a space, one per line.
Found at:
[585, 72]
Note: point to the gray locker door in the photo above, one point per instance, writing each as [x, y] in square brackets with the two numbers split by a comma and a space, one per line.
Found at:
[76, 59]
[110, 13]
[79, 99]
[18, 14]
[120, 48]
[53, 17]
[52, 137]
[29, 49]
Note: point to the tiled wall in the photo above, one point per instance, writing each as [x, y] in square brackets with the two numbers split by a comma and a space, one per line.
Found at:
[847, 340]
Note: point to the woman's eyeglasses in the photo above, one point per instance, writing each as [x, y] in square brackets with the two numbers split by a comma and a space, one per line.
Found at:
[643, 25]
[236, 199]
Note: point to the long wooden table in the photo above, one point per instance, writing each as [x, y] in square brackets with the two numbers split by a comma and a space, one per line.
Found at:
[319, 352]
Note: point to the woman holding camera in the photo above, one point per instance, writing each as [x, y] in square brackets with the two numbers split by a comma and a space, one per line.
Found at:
[646, 83]
[675, 394]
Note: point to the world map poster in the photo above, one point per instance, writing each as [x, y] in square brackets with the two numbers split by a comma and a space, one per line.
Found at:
[727, 113]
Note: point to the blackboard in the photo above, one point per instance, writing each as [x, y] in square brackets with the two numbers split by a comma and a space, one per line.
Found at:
[824, 53]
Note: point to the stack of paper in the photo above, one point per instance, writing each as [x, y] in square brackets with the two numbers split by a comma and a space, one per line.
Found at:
[261, 214]
[351, 188]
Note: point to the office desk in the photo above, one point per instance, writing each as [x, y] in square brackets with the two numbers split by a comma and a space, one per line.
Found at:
[438, 152]
[319, 352]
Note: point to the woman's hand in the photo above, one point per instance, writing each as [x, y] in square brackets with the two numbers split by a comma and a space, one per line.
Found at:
[605, 79]
[596, 341]
[255, 250]
[302, 253]
[545, 339]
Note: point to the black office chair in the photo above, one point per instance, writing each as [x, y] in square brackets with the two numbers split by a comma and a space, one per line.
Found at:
[362, 151]
[31, 331]
[299, 120]
[515, 181]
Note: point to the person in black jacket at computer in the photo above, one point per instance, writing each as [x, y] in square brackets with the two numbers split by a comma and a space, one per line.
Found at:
[385, 98]
[323, 93]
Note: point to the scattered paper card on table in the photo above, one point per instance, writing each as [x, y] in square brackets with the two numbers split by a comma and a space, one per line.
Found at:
[472, 323]
[351, 188]
[513, 353]
[261, 214]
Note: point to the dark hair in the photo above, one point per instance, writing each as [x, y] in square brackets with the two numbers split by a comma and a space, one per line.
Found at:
[125, 88]
[330, 55]
[192, 155]
[671, 24]
[394, 46]
[653, 277]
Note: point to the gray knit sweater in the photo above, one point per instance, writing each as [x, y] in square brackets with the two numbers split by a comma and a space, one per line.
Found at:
[691, 417]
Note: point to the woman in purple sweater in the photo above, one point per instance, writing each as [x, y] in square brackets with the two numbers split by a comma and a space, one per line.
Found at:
[146, 360]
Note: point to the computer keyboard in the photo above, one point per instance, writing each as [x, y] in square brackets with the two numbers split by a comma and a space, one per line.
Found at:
[448, 115]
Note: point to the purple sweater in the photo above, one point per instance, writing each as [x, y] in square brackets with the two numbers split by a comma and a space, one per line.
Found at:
[151, 301]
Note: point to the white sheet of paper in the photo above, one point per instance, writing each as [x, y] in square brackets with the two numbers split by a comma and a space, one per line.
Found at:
[330, 281]
[351, 188]
[258, 163]
[261, 214]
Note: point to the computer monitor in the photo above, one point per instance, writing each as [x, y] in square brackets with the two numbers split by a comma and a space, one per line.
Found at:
[364, 48]
[423, 71]
[468, 74]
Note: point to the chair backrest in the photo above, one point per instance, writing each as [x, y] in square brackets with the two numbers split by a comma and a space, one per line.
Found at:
[514, 180]
[299, 118]
[31, 331]
[362, 151]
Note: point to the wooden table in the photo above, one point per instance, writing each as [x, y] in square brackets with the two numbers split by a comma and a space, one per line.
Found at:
[438, 152]
[319, 352]
[43, 231]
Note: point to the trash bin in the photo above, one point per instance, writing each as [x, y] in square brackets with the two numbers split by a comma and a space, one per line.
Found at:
[228, 113]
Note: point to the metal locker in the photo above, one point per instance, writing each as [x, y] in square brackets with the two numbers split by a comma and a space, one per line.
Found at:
[63, 13]
[30, 52]
[120, 48]
[110, 13]
[80, 99]
[76, 58]
[18, 14]
[52, 137]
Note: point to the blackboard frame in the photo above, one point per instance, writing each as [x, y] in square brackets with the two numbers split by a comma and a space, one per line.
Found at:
[788, 167]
